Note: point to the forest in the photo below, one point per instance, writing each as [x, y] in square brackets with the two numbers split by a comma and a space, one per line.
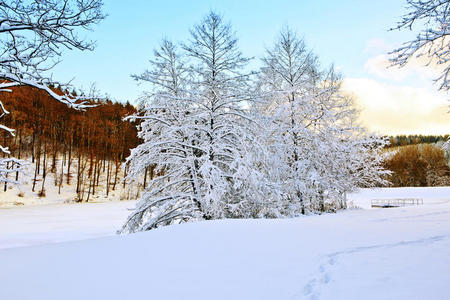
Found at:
[402, 140]
[77, 147]
[419, 165]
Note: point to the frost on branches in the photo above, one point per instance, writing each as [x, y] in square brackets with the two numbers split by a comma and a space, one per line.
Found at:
[432, 42]
[226, 146]
[32, 36]
[195, 129]
[320, 151]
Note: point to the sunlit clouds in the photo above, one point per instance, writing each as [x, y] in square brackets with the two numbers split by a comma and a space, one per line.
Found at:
[399, 100]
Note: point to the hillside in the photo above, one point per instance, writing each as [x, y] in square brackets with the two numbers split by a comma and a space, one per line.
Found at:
[68, 154]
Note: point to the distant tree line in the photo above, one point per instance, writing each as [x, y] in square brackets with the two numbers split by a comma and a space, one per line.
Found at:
[403, 140]
[74, 145]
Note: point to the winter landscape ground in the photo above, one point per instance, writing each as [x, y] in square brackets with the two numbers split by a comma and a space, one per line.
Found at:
[70, 251]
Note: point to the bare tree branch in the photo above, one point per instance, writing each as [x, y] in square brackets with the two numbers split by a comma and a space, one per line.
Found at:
[432, 42]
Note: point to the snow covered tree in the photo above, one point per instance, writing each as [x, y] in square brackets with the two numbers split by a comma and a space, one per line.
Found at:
[321, 152]
[287, 79]
[195, 130]
[349, 157]
[32, 36]
[432, 42]
[164, 130]
[224, 147]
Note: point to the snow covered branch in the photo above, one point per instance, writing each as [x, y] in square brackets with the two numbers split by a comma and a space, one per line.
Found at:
[33, 34]
[433, 42]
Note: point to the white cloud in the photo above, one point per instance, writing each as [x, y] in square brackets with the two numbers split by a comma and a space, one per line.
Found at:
[416, 69]
[394, 109]
[397, 100]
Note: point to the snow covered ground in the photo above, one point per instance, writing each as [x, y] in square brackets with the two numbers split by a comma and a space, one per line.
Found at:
[22, 194]
[395, 253]
[54, 223]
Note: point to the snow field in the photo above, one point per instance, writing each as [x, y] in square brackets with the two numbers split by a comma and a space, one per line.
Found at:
[396, 253]
[54, 223]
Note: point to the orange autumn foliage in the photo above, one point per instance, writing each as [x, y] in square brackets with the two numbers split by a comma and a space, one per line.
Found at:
[419, 165]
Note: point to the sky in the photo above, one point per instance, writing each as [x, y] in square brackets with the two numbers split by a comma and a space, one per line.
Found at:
[352, 35]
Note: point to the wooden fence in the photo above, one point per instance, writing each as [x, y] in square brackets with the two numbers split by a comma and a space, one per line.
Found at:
[395, 202]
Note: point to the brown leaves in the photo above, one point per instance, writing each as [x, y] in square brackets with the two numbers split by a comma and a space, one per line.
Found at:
[419, 165]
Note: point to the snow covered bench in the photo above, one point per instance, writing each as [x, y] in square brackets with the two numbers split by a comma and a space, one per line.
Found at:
[395, 202]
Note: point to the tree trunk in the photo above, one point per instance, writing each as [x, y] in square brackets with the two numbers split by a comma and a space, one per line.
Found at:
[20, 151]
[44, 171]
[108, 178]
[69, 160]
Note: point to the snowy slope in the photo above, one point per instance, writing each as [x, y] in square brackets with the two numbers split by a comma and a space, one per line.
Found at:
[397, 253]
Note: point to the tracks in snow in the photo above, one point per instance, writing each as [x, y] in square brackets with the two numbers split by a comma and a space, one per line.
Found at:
[312, 289]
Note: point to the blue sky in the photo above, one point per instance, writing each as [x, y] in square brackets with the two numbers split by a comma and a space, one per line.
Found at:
[346, 33]
[336, 30]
